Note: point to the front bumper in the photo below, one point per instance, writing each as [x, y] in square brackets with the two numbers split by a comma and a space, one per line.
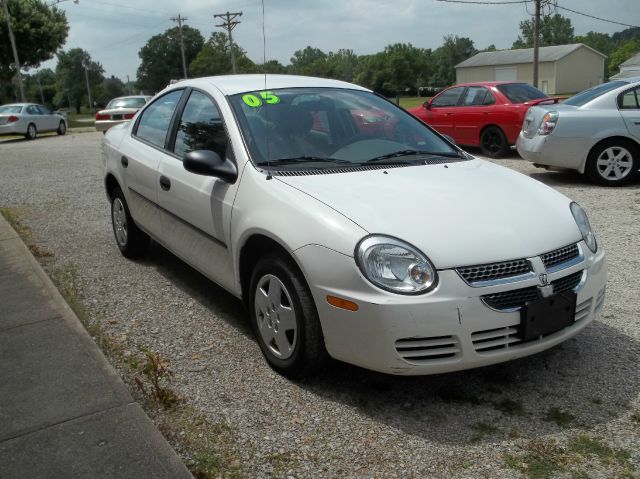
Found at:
[448, 329]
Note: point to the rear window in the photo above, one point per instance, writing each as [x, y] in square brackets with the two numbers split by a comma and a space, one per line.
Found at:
[10, 109]
[586, 96]
[126, 103]
[520, 92]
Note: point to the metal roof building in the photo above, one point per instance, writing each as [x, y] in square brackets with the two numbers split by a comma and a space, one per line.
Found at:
[630, 68]
[561, 68]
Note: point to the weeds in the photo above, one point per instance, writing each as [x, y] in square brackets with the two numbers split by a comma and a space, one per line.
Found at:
[560, 417]
[155, 369]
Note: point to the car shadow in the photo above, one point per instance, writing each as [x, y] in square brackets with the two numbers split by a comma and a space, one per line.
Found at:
[582, 382]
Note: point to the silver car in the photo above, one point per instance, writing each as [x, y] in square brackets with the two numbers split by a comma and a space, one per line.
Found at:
[596, 132]
[29, 119]
[119, 110]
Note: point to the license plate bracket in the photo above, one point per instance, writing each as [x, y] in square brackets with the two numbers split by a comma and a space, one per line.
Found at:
[544, 316]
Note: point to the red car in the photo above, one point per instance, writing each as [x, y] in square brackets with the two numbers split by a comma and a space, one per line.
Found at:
[484, 114]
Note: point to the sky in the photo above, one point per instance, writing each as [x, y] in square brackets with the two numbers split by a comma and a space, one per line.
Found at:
[113, 31]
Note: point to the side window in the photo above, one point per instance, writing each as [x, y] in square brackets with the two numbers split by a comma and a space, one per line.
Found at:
[155, 120]
[478, 96]
[32, 110]
[630, 100]
[448, 97]
[43, 110]
[200, 127]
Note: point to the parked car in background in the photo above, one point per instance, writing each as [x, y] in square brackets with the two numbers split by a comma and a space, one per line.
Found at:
[119, 110]
[484, 114]
[29, 119]
[349, 228]
[596, 132]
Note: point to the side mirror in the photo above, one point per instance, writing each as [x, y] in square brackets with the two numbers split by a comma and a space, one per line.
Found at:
[427, 104]
[209, 163]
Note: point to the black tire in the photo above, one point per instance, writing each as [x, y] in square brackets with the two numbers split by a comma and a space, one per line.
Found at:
[32, 132]
[307, 352]
[131, 240]
[493, 142]
[62, 128]
[613, 163]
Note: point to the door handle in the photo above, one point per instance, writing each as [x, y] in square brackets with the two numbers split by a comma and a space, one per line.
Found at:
[165, 183]
[125, 161]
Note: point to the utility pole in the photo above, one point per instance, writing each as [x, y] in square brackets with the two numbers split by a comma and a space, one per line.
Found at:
[16, 59]
[229, 23]
[181, 19]
[86, 77]
[128, 85]
[40, 86]
[536, 42]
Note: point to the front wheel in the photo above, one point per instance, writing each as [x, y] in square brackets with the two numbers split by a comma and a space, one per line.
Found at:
[613, 163]
[284, 318]
[32, 132]
[62, 128]
[493, 142]
[131, 240]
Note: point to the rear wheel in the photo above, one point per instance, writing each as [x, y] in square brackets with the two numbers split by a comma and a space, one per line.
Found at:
[32, 132]
[284, 318]
[131, 240]
[62, 128]
[493, 142]
[613, 162]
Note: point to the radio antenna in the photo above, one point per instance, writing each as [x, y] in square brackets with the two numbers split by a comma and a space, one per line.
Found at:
[266, 110]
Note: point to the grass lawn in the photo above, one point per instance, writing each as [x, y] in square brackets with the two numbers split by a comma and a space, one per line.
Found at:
[80, 121]
[410, 101]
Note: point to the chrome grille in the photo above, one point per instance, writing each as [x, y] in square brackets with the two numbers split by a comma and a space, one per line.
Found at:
[560, 255]
[567, 283]
[516, 298]
[423, 350]
[493, 271]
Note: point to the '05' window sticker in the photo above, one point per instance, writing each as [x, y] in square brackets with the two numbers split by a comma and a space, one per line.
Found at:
[255, 101]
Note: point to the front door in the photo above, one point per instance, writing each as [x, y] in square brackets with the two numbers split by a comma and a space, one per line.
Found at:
[441, 111]
[630, 111]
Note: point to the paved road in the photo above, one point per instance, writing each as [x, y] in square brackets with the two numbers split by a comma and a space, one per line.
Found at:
[490, 422]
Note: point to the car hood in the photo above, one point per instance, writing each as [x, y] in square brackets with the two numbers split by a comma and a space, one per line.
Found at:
[458, 214]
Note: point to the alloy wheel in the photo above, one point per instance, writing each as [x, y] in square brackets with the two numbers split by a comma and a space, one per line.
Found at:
[614, 163]
[119, 222]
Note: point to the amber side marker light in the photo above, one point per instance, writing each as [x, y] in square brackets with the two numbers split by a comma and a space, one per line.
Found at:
[342, 303]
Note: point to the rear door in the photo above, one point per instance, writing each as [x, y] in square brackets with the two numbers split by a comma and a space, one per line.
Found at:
[442, 110]
[472, 114]
[49, 121]
[629, 104]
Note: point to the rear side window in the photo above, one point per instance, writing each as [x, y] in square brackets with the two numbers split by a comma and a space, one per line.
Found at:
[478, 96]
[630, 100]
[586, 96]
[520, 92]
[156, 119]
[200, 127]
[448, 97]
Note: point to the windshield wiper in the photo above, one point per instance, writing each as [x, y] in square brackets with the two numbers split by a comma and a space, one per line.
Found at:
[301, 159]
[397, 154]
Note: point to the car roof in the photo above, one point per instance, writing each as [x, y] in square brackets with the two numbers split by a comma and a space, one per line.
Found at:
[234, 84]
[130, 96]
[20, 104]
[491, 83]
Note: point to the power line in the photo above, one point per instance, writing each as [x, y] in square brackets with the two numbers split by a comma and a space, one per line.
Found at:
[473, 2]
[596, 18]
[229, 23]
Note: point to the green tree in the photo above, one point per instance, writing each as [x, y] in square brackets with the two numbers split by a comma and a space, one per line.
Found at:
[215, 58]
[454, 50]
[342, 65]
[554, 30]
[110, 88]
[272, 66]
[310, 61]
[620, 55]
[40, 87]
[71, 76]
[161, 60]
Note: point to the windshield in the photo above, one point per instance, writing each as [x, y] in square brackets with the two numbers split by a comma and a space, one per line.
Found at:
[327, 126]
[10, 109]
[126, 103]
[593, 93]
[520, 92]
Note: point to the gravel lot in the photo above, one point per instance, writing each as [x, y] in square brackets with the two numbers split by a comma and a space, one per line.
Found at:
[509, 420]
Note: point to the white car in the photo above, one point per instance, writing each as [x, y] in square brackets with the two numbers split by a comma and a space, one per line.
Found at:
[119, 110]
[29, 119]
[596, 132]
[351, 229]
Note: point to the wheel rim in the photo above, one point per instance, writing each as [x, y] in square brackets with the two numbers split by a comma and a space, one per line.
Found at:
[492, 141]
[276, 317]
[119, 222]
[32, 131]
[614, 163]
[63, 127]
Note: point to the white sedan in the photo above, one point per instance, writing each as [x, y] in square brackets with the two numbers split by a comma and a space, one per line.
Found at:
[29, 119]
[349, 228]
[119, 110]
[596, 132]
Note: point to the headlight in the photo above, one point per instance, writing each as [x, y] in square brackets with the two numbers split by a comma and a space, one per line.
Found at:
[395, 266]
[549, 122]
[583, 225]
